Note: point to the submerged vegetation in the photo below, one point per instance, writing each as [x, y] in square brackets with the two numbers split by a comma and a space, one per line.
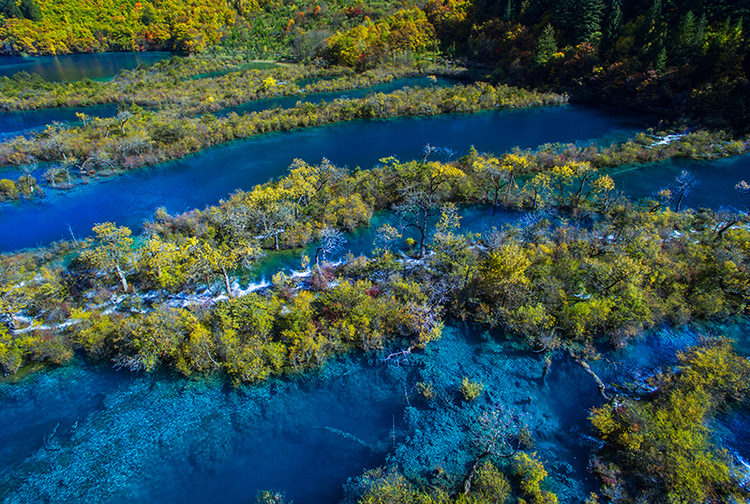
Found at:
[586, 265]
[556, 281]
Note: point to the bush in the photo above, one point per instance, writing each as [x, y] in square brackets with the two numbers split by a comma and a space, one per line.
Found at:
[471, 389]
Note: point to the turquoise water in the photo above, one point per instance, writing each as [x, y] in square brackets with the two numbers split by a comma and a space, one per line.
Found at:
[475, 219]
[73, 67]
[211, 175]
[82, 434]
[716, 180]
[24, 122]
[87, 434]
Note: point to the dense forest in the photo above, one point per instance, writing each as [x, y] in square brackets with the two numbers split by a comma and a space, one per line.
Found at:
[585, 270]
[673, 57]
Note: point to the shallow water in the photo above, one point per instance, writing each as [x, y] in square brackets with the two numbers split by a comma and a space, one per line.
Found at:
[73, 67]
[121, 437]
[88, 434]
[211, 175]
[475, 219]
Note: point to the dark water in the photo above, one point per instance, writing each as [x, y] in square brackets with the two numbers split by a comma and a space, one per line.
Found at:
[205, 178]
[72, 67]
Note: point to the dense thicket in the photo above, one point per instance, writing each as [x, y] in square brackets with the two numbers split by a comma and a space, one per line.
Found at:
[556, 283]
[138, 137]
[666, 56]
[587, 266]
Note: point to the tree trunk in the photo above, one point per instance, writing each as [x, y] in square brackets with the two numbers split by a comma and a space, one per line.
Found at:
[226, 282]
[123, 281]
[599, 383]
[422, 235]
[679, 201]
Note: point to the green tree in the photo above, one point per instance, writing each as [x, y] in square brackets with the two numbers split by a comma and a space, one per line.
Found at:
[206, 261]
[589, 20]
[662, 443]
[546, 46]
[612, 26]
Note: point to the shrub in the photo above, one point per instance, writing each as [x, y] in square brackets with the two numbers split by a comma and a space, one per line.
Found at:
[471, 389]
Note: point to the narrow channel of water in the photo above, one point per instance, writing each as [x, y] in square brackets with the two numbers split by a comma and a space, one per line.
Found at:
[27, 121]
[285, 102]
[205, 178]
[24, 122]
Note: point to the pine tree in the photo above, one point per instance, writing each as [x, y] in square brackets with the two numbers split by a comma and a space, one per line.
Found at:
[588, 27]
[661, 61]
[509, 11]
[655, 12]
[685, 43]
[612, 26]
[30, 10]
[700, 31]
[546, 46]
[565, 19]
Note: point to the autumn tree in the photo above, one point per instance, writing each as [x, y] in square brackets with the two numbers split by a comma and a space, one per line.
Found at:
[662, 444]
[108, 250]
[205, 261]
[421, 188]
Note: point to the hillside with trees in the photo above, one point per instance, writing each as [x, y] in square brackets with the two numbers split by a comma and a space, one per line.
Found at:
[675, 58]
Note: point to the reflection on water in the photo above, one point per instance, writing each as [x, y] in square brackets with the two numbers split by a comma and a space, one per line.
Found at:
[716, 180]
[73, 67]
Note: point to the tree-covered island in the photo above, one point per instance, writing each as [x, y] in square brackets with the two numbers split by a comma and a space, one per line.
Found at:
[584, 272]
